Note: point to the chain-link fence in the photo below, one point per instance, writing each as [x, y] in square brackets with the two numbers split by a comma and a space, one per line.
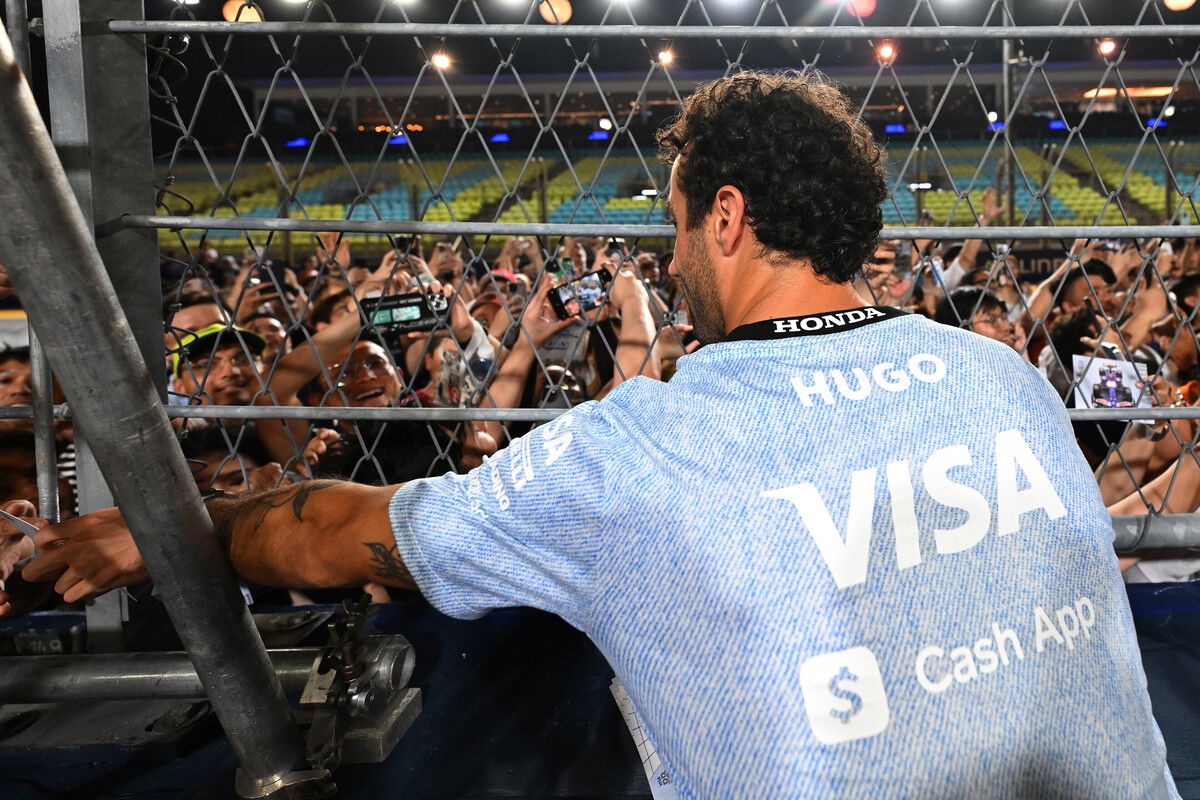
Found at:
[393, 236]
[381, 240]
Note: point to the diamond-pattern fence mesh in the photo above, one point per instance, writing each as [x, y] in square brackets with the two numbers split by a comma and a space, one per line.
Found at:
[388, 195]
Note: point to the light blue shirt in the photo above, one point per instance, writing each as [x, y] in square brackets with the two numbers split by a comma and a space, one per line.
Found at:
[862, 564]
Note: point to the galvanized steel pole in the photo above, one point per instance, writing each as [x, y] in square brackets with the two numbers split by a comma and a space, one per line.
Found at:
[1006, 98]
[56, 270]
[1134, 533]
[536, 31]
[17, 13]
[467, 414]
[387, 226]
[45, 451]
[45, 454]
[127, 676]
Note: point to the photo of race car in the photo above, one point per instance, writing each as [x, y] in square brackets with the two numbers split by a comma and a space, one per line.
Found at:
[1110, 390]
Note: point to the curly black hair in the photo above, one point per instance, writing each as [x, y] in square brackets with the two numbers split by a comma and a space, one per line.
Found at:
[810, 170]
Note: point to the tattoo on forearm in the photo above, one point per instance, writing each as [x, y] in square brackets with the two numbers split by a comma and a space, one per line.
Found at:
[259, 506]
[254, 508]
[387, 566]
[305, 491]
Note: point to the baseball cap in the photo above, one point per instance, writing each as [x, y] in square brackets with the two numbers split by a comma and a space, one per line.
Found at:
[485, 299]
[207, 339]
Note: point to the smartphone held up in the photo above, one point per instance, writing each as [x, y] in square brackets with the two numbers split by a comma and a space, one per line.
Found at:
[581, 295]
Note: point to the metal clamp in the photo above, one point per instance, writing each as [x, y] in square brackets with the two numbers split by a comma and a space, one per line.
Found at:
[357, 677]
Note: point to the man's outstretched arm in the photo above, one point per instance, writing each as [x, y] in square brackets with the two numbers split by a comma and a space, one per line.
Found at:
[307, 535]
[311, 535]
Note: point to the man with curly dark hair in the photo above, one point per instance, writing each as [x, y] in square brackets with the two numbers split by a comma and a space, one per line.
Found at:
[845, 552]
[786, 155]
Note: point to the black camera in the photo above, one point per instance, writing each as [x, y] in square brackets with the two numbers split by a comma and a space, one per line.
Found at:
[396, 314]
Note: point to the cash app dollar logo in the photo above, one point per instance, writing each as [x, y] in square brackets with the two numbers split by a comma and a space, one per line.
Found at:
[844, 697]
[837, 690]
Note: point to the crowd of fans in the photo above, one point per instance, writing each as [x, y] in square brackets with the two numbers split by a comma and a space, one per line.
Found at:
[516, 328]
[475, 334]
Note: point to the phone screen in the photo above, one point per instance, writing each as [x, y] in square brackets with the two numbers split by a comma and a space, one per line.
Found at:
[580, 296]
[902, 265]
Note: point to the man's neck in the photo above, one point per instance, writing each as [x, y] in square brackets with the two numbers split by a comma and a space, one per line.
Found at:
[789, 292]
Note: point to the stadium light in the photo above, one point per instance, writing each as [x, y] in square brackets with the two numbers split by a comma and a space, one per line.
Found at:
[556, 12]
[606, 123]
[993, 116]
[665, 57]
[885, 52]
[860, 8]
[1169, 111]
[441, 61]
[1106, 47]
[1178, 5]
[237, 11]
[1139, 92]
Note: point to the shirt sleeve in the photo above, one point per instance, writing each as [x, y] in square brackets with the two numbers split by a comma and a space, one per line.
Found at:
[522, 529]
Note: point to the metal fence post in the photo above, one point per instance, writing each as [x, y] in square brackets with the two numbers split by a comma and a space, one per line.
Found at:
[1006, 57]
[46, 455]
[101, 129]
[17, 18]
[55, 266]
[100, 118]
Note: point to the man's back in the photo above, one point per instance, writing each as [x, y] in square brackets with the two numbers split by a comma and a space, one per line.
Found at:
[859, 564]
[881, 555]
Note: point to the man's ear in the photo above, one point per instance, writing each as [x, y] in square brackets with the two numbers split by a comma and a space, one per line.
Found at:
[729, 219]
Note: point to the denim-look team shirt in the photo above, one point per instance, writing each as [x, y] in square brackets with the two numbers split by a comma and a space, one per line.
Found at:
[852, 555]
